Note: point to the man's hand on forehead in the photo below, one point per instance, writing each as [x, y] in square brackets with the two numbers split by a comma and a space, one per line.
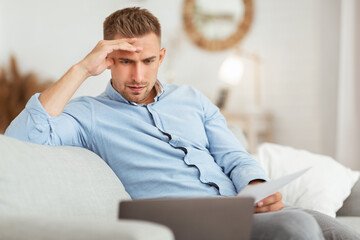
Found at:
[125, 44]
[100, 57]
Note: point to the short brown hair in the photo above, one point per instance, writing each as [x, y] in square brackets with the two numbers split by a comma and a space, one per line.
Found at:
[131, 22]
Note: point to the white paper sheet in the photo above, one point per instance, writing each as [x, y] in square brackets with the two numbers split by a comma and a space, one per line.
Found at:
[263, 190]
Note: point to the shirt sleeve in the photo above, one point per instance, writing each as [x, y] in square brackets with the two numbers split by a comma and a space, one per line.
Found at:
[35, 125]
[227, 150]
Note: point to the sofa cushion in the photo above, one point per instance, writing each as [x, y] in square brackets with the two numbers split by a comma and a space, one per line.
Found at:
[56, 181]
[40, 227]
[352, 222]
[351, 206]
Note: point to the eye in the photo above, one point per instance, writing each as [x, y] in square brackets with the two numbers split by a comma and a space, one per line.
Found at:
[148, 61]
[125, 61]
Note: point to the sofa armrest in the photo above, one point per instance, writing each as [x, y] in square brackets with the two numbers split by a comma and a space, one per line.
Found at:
[351, 206]
[21, 228]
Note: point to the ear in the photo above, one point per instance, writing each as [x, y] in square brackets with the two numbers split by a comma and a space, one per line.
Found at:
[109, 62]
[162, 55]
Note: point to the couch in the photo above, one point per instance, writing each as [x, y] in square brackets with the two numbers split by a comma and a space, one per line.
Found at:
[65, 192]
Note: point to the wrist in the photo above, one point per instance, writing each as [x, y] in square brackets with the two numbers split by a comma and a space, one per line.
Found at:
[256, 181]
[81, 69]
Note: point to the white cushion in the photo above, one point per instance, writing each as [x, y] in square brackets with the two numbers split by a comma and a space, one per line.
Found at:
[323, 188]
[56, 181]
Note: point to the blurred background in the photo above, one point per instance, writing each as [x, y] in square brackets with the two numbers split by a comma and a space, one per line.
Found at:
[295, 61]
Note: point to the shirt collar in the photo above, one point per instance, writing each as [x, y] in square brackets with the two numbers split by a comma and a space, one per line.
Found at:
[115, 95]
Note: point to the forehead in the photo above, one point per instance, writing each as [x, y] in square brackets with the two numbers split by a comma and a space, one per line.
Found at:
[150, 44]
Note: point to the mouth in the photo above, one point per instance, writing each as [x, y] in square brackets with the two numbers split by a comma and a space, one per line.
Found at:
[136, 88]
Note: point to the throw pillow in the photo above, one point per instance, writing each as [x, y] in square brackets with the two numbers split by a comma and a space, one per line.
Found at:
[323, 188]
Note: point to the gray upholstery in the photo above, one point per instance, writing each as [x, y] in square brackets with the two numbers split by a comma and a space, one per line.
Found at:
[63, 193]
[353, 222]
[351, 205]
[37, 228]
[56, 181]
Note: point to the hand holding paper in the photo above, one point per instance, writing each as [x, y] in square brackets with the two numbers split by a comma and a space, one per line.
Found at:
[262, 190]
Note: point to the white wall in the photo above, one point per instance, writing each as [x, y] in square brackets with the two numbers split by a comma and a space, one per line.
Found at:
[297, 42]
[330, 75]
[2, 38]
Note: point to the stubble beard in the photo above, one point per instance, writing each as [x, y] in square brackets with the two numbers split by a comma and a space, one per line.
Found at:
[133, 96]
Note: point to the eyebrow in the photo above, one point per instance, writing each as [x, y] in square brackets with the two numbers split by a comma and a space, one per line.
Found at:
[150, 58]
[128, 59]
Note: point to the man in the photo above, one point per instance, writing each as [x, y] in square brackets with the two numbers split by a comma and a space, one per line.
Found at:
[162, 141]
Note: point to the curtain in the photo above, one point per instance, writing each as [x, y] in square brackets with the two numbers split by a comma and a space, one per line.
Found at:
[348, 120]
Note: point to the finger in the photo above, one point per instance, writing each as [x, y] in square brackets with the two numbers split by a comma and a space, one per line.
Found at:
[123, 40]
[125, 46]
[138, 49]
[109, 46]
[276, 197]
[270, 208]
[129, 40]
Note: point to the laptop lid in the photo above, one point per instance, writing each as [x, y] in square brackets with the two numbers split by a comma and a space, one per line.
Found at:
[229, 218]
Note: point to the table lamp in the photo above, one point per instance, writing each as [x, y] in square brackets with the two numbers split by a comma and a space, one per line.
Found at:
[232, 71]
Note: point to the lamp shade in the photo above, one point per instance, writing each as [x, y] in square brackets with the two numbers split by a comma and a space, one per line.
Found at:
[232, 69]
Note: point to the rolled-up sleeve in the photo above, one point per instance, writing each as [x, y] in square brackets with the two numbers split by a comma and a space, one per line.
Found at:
[35, 125]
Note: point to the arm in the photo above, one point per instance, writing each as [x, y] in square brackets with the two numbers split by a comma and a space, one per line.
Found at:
[44, 121]
[55, 98]
[233, 159]
[227, 151]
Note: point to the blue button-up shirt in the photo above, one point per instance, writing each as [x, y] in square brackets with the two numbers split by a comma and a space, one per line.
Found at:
[177, 146]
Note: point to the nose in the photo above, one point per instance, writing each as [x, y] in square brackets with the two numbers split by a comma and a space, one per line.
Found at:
[138, 75]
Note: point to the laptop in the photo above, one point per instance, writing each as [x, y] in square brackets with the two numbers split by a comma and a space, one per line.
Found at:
[228, 218]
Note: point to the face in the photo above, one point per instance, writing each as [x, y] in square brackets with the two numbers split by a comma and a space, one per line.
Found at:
[134, 74]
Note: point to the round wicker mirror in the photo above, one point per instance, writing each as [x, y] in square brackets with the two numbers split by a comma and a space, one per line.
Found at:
[217, 25]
